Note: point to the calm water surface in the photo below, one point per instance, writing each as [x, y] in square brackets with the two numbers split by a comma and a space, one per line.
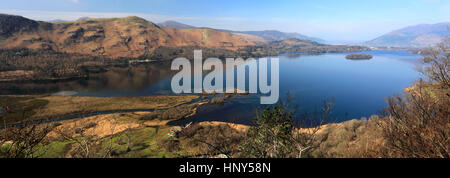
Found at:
[359, 88]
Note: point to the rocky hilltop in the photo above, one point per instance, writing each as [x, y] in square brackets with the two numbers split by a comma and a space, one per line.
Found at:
[111, 37]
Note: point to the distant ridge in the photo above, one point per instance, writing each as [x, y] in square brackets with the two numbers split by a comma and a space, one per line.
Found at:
[59, 20]
[414, 36]
[174, 24]
[266, 35]
[274, 35]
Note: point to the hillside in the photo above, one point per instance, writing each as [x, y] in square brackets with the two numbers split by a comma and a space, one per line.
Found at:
[414, 36]
[274, 35]
[112, 37]
[174, 24]
[254, 36]
[294, 45]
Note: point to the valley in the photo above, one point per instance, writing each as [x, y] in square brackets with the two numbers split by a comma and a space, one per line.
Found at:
[101, 88]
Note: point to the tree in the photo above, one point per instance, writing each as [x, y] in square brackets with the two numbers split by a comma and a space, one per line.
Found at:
[278, 134]
[24, 141]
[418, 122]
[85, 140]
[437, 66]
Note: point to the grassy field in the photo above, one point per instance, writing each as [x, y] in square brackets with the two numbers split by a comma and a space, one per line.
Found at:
[145, 142]
[147, 137]
[132, 135]
[45, 107]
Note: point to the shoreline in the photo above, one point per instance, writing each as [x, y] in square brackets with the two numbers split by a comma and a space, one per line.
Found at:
[43, 107]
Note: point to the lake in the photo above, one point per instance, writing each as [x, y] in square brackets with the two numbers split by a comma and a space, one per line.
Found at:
[358, 87]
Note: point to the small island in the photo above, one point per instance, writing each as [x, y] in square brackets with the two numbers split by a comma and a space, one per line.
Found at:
[359, 56]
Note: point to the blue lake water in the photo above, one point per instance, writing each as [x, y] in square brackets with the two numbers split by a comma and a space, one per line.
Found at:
[359, 87]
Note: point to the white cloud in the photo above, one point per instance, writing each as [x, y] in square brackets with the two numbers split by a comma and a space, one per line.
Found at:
[75, 1]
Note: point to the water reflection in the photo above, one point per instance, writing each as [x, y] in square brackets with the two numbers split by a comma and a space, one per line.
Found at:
[358, 87]
[115, 82]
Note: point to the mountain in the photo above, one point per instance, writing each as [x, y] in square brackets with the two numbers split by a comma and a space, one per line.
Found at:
[254, 36]
[82, 18]
[57, 21]
[174, 24]
[294, 45]
[112, 37]
[274, 35]
[414, 36]
[11, 24]
[60, 21]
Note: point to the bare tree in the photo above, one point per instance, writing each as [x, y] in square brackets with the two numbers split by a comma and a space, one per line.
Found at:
[306, 138]
[279, 134]
[85, 140]
[24, 141]
[223, 142]
[437, 60]
[418, 121]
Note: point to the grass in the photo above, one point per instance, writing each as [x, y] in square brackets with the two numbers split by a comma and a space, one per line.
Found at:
[174, 113]
[56, 149]
[21, 107]
[151, 142]
[350, 139]
[44, 107]
[146, 142]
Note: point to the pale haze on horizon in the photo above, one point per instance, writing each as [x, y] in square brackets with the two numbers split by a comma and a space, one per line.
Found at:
[331, 20]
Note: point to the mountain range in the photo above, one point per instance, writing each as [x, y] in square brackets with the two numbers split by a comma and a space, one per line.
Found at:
[135, 37]
[414, 36]
[254, 36]
[112, 37]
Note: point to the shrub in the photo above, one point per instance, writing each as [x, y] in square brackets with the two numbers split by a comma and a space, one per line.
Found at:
[418, 122]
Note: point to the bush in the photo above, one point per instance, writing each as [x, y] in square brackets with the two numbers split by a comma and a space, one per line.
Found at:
[418, 122]
[213, 140]
[218, 100]
[175, 113]
[278, 135]
[170, 145]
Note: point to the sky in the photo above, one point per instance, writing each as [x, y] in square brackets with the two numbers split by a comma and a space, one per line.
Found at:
[333, 20]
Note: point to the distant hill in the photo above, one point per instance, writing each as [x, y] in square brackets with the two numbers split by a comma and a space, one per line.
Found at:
[56, 21]
[82, 18]
[255, 36]
[274, 35]
[298, 46]
[414, 36]
[174, 24]
[112, 37]
[59, 20]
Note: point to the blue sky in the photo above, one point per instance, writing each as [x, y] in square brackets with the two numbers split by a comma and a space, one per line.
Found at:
[333, 20]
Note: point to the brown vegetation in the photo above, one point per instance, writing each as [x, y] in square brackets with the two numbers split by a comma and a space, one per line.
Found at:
[112, 37]
[24, 141]
[26, 108]
[26, 64]
[418, 124]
